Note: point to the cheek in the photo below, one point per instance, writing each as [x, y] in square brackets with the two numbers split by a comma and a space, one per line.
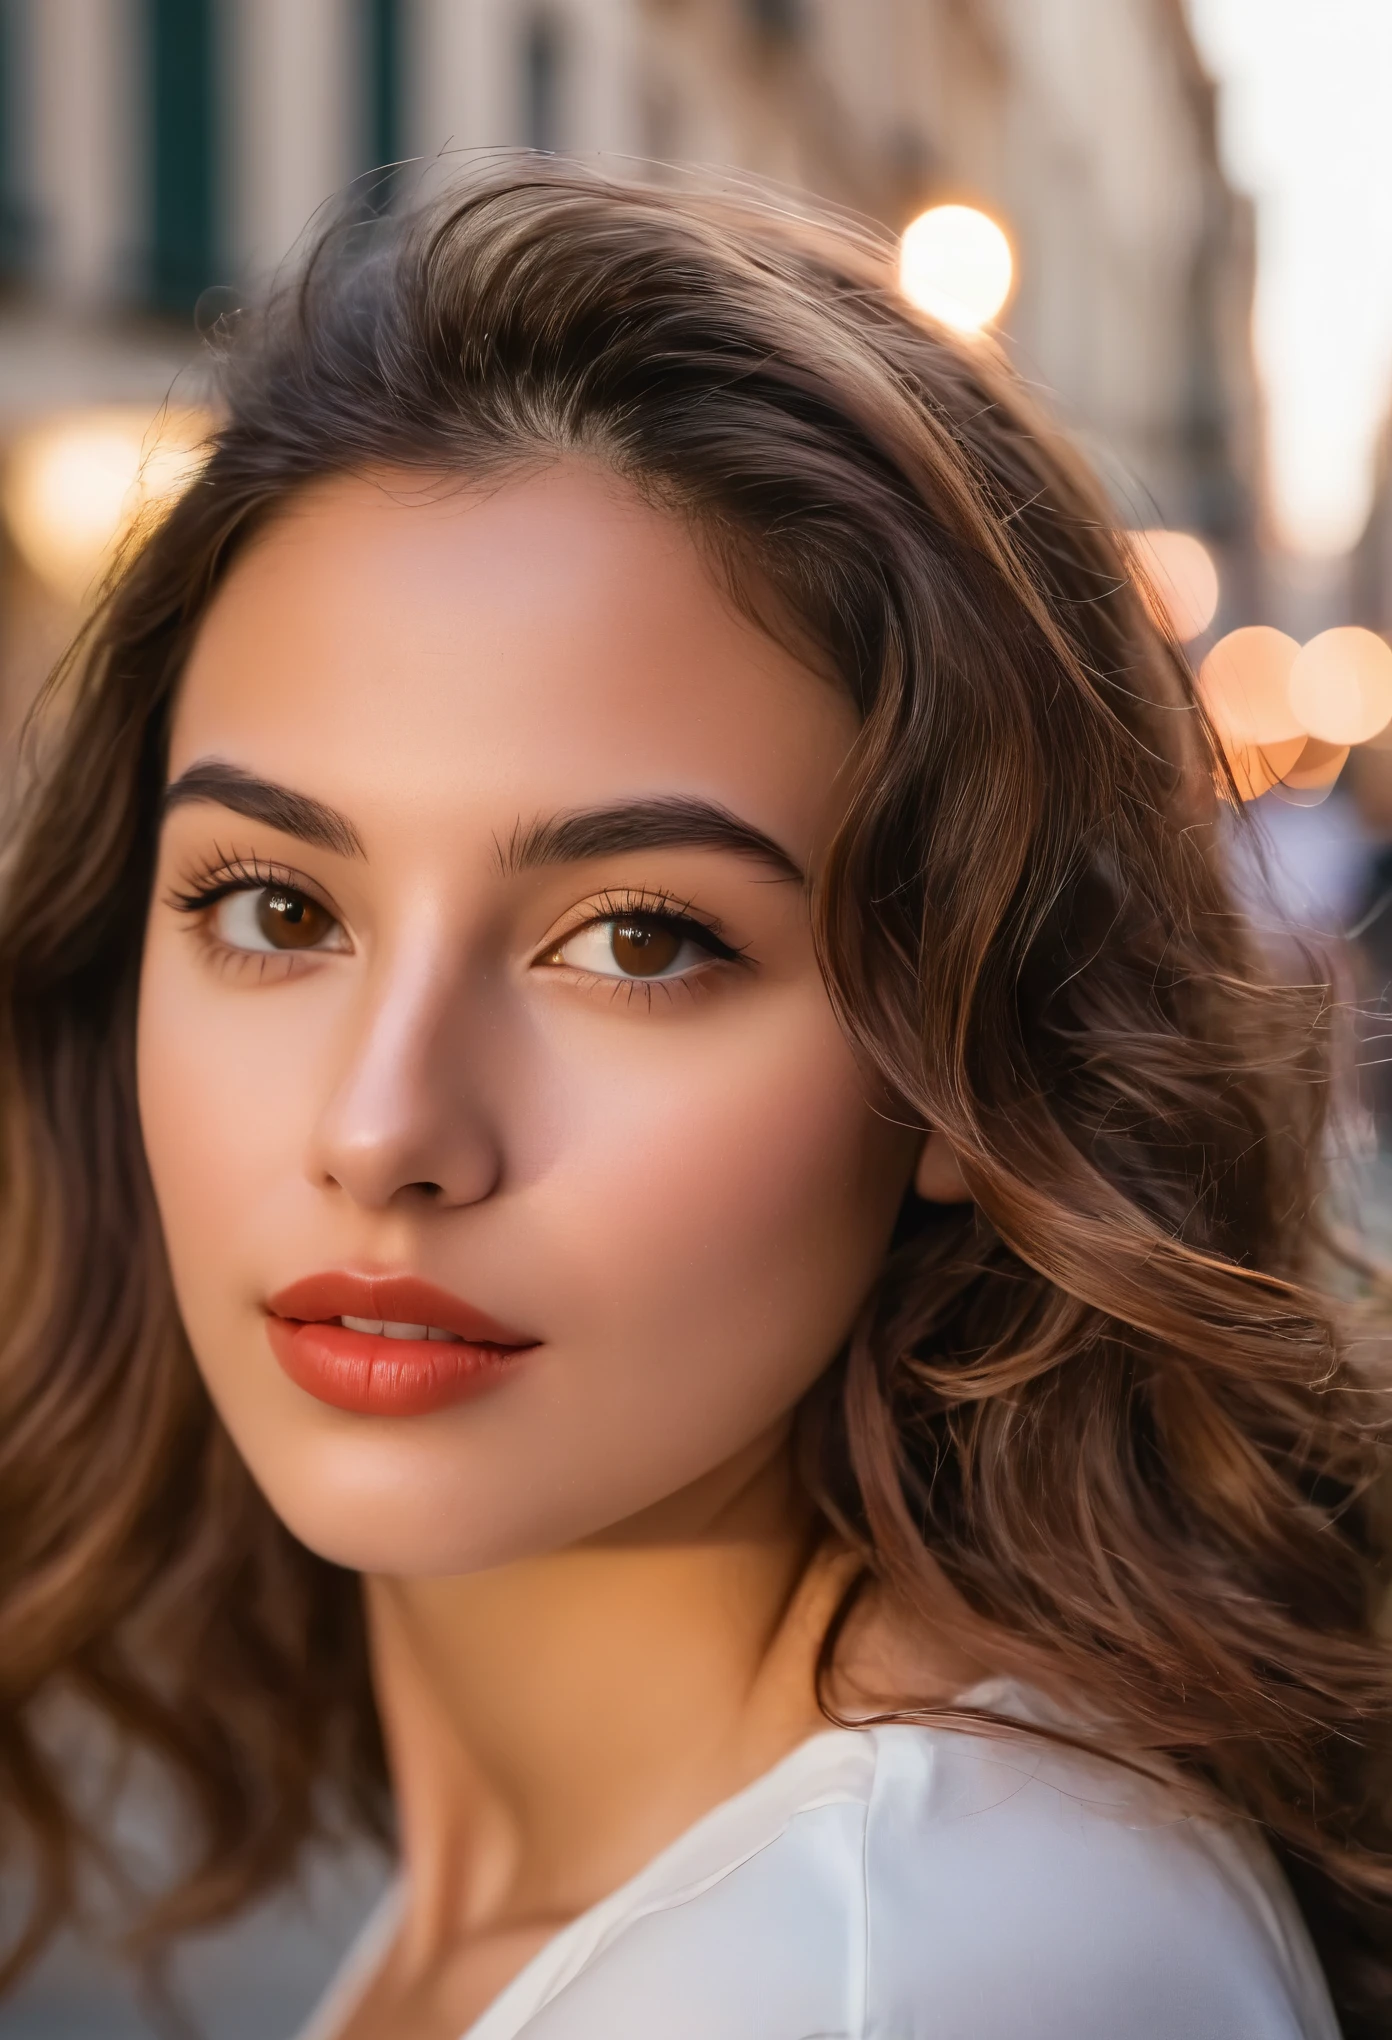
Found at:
[222, 1105]
[735, 1201]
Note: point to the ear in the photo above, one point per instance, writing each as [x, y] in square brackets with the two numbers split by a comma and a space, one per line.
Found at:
[938, 1178]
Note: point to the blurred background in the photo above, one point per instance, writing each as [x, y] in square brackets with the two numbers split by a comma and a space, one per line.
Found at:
[1176, 217]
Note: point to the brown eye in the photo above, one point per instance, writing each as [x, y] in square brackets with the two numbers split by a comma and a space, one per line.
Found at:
[644, 949]
[639, 947]
[275, 918]
[290, 921]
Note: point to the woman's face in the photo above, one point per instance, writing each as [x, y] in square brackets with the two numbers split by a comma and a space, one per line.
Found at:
[480, 1004]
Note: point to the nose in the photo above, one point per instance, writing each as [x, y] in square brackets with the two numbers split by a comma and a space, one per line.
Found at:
[405, 1116]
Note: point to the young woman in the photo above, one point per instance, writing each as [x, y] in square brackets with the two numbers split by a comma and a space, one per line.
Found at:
[658, 1219]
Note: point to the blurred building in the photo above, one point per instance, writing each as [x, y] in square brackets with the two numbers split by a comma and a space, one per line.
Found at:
[151, 150]
[1138, 258]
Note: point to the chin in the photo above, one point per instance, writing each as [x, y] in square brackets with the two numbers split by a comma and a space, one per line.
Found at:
[402, 1541]
[374, 1507]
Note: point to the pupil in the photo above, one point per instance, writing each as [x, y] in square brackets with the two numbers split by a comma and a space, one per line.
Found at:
[644, 948]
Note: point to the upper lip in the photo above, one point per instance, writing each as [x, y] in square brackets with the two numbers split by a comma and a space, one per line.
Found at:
[398, 1299]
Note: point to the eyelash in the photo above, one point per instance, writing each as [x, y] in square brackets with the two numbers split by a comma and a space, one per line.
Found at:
[225, 875]
[222, 876]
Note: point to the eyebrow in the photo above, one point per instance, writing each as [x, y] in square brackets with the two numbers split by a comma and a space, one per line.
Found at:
[669, 823]
[262, 800]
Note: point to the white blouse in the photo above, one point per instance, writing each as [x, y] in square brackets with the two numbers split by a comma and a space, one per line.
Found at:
[923, 1883]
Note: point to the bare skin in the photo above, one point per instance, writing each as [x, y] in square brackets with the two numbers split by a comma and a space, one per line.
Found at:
[595, 1592]
[585, 1709]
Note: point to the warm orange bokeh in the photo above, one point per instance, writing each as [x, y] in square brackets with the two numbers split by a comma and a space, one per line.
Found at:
[1178, 579]
[1314, 772]
[1256, 768]
[1286, 715]
[1245, 686]
[1341, 685]
[78, 484]
[956, 264]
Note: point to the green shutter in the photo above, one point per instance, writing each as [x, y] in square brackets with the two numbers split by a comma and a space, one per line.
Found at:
[382, 76]
[382, 125]
[181, 43]
[16, 219]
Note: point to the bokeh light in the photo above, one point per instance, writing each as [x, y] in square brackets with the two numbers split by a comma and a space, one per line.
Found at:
[1311, 778]
[1178, 579]
[76, 486]
[955, 263]
[1245, 685]
[1256, 768]
[1288, 715]
[1341, 685]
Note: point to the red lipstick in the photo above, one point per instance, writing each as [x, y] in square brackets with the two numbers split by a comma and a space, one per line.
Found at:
[387, 1345]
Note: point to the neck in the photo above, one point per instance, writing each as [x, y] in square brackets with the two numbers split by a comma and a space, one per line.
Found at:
[553, 1723]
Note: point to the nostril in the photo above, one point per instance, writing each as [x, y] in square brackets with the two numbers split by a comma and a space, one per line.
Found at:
[425, 1189]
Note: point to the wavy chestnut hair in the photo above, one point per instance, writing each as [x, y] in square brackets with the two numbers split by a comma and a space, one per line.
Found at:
[1112, 1398]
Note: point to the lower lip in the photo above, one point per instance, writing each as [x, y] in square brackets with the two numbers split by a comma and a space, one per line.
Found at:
[379, 1377]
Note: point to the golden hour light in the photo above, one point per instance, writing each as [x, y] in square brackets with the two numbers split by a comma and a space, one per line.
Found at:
[1256, 768]
[76, 486]
[1244, 683]
[1341, 685]
[1245, 686]
[1178, 579]
[956, 264]
[1311, 778]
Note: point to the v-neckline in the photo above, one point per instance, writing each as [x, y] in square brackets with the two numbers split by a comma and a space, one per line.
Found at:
[833, 1765]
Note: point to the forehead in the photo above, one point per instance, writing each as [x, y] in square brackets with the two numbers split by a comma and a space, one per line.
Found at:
[552, 641]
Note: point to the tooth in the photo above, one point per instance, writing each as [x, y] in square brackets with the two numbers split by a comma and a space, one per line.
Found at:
[450, 1338]
[404, 1331]
[361, 1324]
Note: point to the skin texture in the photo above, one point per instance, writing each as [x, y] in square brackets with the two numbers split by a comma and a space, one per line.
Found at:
[591, 1596]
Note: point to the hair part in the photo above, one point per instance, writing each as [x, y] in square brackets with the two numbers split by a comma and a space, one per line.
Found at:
[1110, 1404]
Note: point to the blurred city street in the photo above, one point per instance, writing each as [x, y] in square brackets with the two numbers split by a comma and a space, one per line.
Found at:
[1093, 181]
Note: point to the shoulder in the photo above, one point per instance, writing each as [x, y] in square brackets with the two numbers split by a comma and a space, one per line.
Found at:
[1017, 1890]
[925, 1883]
